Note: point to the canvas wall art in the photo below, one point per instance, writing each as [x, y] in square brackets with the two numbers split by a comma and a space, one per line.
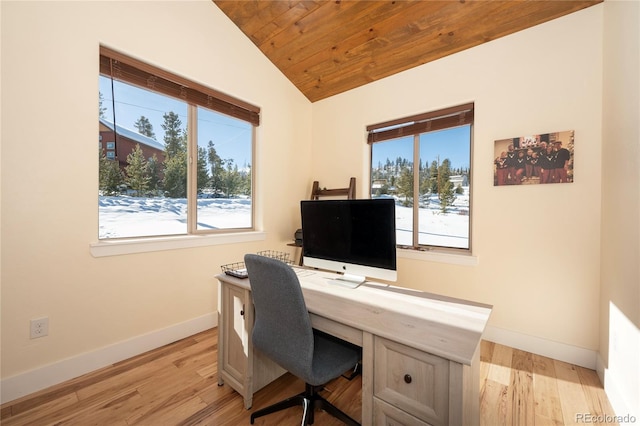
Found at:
[535, 159]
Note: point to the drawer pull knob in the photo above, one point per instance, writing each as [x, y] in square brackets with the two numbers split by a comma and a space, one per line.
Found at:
[407, 378]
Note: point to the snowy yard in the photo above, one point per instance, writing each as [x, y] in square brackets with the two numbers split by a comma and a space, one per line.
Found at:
[125, 216]
[138, 216]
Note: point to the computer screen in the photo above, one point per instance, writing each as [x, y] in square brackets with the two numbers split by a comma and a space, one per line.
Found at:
[354, 237]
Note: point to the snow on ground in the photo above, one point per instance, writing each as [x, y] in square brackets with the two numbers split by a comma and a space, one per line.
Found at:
[124, 216]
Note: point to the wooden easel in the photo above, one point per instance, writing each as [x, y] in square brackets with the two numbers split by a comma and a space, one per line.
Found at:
[316, 193]
[350, 192]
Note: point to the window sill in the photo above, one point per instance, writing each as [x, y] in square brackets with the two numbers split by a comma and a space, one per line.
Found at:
[434, 256]
[145, 245]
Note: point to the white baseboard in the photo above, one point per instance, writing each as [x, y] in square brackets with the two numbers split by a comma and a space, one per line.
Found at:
[40, 378]
[43, 377]
[600, 367]
[549, 348]
[628, 414]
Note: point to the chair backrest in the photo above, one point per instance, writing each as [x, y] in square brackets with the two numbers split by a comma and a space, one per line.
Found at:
[282, 329]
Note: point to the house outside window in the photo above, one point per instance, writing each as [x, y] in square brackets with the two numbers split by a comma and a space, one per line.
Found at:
[180, 155]
[424, 163]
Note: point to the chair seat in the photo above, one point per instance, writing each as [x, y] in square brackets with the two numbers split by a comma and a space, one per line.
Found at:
[330, 356]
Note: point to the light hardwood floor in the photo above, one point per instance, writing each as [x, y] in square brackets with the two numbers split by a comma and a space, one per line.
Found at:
[177, 385]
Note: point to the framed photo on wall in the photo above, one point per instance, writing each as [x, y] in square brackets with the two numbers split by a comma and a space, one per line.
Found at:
[536, 159]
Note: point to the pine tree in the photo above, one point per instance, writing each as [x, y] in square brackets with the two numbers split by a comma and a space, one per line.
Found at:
[137, 174]
[203, 179]
[246, 180]
[153, 168]
[175, 164]
[377, 173]
[232, 182]
[405, 185]
[174, 142]
[433, 177]
[110, 175]
[175, 176]
[145, 127]
[217, 168]
[446, 192]
[423, 179]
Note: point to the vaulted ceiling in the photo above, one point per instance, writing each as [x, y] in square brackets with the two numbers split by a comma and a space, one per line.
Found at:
[328, 47]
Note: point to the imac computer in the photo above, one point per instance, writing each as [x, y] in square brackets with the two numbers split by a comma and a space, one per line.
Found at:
[356, 238]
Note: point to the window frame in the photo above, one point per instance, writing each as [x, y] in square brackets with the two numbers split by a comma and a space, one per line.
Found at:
[414, 126]
[120, 67]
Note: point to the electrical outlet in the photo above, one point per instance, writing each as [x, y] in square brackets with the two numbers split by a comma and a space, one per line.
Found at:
[39, 327]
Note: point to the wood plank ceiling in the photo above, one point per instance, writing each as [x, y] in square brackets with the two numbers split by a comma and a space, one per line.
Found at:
[329, 47]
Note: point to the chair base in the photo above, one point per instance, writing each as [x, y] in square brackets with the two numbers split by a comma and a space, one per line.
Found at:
[310, 400]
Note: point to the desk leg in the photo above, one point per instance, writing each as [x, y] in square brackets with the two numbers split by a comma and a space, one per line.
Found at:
[251, 367]
[367, 378]
[248, 402]
[220, 335]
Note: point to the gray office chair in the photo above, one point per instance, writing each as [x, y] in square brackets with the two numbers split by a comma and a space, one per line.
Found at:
[283, 333]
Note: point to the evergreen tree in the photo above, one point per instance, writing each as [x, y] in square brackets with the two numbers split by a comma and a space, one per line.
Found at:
[446, 192]
[405, 185]
[144, 127]
[175, 176]
[137, 175]
[232, 182]
[217, 168]
[444, 172]
[423, 179]
[175, 164]
[174, 142]
[202, 173]
[245, 177]
[110, 176]
[153, 168]
[433, 177]
[377, 173]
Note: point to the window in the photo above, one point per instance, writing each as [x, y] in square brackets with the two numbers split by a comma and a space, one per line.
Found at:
[179, 157]
[424, 163]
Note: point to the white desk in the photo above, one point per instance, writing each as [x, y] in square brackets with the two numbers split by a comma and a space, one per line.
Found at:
[421, 352]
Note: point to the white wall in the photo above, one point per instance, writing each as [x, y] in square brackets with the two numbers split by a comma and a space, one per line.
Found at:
[620, 292]
[101, 309]
[537, 246]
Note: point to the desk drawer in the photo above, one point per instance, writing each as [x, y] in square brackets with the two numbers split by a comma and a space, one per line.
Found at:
[412, 380]
[387, 415]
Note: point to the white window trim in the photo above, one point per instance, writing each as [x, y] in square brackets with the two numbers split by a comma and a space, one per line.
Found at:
[104, 248]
